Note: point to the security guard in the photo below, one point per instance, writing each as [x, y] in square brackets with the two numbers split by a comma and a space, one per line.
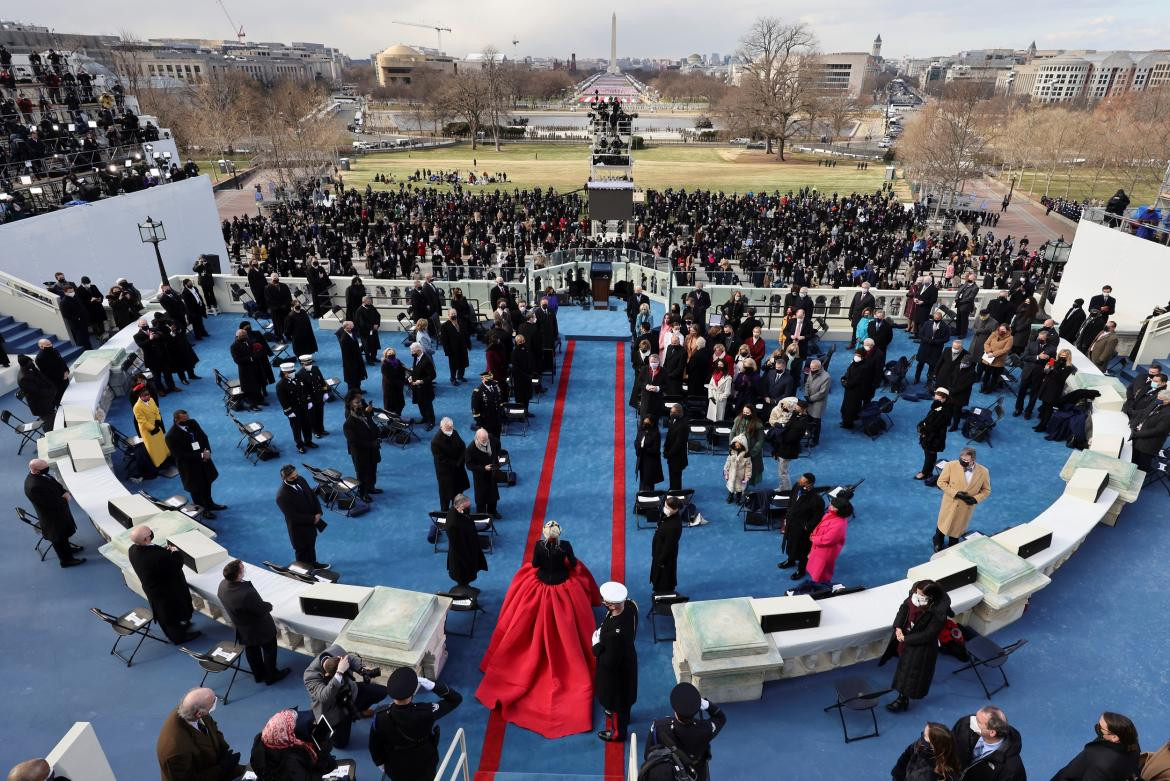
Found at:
[487, 407]
[297, 404]
[311, 377]
[404, 741]
[688, 730]
[616, 681]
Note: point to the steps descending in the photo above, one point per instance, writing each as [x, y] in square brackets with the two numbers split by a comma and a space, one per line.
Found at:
[21, 339]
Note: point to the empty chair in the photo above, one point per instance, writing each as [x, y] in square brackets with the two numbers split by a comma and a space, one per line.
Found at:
[648, 506]
[699, 435]
[137, 622]
[35, 523]
[979, 422]
[855, 693]
[256, 442]
[178, 503]
[233, 394]
[28, 432]
[463, 602]
[985, 652]
[225, 656]
[515, 415]
[660, 610]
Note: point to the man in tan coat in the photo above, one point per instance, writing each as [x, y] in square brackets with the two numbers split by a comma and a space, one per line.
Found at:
[964, 484]
[995, 353]
[191, 747]
[1104, 346]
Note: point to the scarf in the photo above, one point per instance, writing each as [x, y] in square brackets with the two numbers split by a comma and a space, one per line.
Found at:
[280, 732]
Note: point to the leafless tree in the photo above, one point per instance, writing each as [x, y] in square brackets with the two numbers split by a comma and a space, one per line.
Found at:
[778, 84]
[468, 98]
[943, 144]
[838, 111]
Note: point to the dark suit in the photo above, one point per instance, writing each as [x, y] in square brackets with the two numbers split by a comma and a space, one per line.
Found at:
[300, 508]
[423, 395]
[353, 365]
[926, 299]
[862, 300]
[189, 754]
[248, 366]
[367, 320]
[252, 618]
[805, 509]
[196, 310]
[881, 332]
[196, 473]
[455, 346]
[634, 305]
[487, 493]
[161, 573]
[1100, 300]
[664, 553]
[278, 299]
[295, 398]
[448, 453]
[52, 508]
[172, 304]
[76, 317]
[794, 328]
[674, 364]
[647, 451]
[53, 366]
[1149, 434]
[361, 436]
[675, 450]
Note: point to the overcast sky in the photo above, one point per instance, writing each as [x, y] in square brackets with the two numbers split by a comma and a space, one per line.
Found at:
[650, 29]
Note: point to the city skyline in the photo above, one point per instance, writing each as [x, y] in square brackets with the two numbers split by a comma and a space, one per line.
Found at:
[364, 27]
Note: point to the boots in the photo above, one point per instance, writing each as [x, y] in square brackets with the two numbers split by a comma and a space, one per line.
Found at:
[899, 705]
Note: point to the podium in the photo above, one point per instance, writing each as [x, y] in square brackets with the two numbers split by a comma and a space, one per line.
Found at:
[601, 273]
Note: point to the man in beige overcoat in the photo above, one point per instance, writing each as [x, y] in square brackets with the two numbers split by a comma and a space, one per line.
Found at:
[964, 484]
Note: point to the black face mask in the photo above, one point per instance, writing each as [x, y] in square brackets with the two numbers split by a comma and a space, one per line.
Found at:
[1097, 729]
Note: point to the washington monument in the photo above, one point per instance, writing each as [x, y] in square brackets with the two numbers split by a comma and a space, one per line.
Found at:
[613, 66]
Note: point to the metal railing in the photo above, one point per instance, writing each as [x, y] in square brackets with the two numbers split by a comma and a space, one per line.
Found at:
[1126, 222]
[32, 305]
[1155, 343]
[458, 743]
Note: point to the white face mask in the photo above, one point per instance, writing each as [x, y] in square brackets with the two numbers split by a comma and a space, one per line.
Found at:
[447, 432]
[857, 359]
[213, 704]
[974, 724]
[918, 600]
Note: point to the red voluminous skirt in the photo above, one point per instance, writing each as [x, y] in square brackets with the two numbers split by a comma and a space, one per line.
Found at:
[539, 666]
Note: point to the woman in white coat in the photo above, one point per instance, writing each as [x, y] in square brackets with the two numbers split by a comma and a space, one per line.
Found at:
[718, 392]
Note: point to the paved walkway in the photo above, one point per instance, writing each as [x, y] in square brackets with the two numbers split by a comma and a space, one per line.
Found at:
[1024, 216]
[233, 202]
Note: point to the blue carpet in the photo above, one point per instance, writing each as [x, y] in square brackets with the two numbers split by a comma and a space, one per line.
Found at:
[1079, 661]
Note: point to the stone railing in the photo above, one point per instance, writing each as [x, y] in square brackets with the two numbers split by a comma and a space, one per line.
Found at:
[79, 449]
[734, 662]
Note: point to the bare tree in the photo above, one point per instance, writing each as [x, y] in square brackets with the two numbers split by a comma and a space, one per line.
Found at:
[943, 144]
[468, 98]
[499, 88]
[838, 111]
[778, 83]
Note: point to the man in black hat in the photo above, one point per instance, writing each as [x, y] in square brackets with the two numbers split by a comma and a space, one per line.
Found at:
[404, 741]
[690, 730]
[616, 682]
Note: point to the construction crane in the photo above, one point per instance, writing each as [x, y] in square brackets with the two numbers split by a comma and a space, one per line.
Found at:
[439, 30]
[239, 31]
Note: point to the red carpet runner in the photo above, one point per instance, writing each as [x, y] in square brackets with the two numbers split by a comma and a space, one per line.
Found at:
[616, 753]
[493, 737]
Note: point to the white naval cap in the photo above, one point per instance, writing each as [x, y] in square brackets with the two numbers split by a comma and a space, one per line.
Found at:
[288, 368]
[306, 358]
[613, 592]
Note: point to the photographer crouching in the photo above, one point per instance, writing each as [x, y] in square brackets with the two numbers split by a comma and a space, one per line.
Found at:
[337, 695]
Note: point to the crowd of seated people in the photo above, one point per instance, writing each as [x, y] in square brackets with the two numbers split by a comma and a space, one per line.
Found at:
[72, 136]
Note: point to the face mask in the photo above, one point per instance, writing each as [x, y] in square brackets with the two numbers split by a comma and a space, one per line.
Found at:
[213, 704]
[974, 724]
[956, 350]
[447, 433]
[965, 463]
[653, 365]
[857, 359]
[918, 600]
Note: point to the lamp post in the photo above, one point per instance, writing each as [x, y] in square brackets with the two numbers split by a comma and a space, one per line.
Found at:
[152, 232]
[1055, 256]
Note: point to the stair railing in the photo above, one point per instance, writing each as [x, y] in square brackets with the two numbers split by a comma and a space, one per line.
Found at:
[460, 769]
[1155, 343]
[31, 304]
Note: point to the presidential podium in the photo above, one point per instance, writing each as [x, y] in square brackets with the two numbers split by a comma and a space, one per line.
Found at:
[601, 274]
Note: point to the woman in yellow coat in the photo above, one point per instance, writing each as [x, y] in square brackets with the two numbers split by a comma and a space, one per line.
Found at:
[150, 428]
[964, 484]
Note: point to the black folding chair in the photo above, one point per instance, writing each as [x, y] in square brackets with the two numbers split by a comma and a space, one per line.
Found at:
[648, 505]
[855, 693]
[660, 609]
[1159, 471]
[462, 602]
[225, 656]
[985, 652]
[35, 523]
[137, 622]
[27, 431]
[515, 415]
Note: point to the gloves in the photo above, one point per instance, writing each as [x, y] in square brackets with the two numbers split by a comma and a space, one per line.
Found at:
[310, 405]
[426, 684]
[597, 635]
[157, 427]
[704, 704]
[292, 415]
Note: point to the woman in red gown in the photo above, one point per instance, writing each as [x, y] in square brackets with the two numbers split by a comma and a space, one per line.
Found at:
[539, 666]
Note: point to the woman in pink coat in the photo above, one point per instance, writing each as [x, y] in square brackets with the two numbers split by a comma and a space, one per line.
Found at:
[828, 538]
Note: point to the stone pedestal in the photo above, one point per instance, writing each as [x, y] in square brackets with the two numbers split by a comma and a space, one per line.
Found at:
[1006, 580]
[1124, 477]
[398, 628]
[722, 650]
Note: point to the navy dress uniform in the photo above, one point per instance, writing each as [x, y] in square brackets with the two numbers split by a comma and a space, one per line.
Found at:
[686, 730]
[296, 401]
[616, 681]
[404, 740]
[310, 377]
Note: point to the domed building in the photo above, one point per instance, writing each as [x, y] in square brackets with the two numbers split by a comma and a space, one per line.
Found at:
[398, 63]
